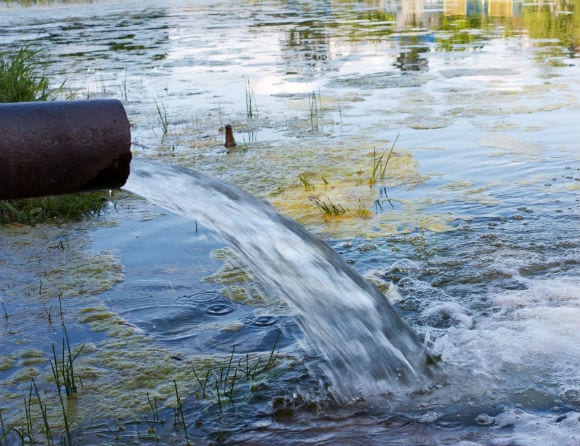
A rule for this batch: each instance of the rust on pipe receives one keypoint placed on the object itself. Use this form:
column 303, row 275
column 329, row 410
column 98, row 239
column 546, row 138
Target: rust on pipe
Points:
column 52, row 148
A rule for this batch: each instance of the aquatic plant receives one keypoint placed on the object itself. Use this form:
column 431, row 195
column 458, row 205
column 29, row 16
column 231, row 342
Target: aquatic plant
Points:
column 44, row 413
column 380, row 164
column 4, row 432
column 63, row 367
column 178, row 414
column 316, row 112
column 303, row 177
column 162, row 115
column 155, row 420
column 220, row 383
column 251, row 107
column 328, row 207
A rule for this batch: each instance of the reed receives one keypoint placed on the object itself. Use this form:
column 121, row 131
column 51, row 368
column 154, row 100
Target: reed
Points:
column 251, row 107
column 316, row 112
column 221, row 383
column 306, row 183
column 328, row 207
column 4, row 432
column 67, row 437
column 380, row 164
column 63, row 367
column 155, row 420
column 178, row 414
column 44, row 413
column 162, row 115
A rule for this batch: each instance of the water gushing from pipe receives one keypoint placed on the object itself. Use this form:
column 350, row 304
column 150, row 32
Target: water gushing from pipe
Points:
column 365, row 346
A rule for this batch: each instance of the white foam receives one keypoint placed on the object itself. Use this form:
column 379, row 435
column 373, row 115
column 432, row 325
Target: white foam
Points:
column 534, row 339
column 530, row 429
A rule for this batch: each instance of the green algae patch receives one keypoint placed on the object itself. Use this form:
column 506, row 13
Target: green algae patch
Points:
column 239, row 285
column 48, row 261
column 7, row 362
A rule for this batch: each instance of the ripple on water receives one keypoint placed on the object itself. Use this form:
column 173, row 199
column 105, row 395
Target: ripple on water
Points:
column 219, row 309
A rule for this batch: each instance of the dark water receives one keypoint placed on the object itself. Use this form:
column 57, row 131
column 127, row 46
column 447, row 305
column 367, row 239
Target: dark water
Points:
column 472, row 233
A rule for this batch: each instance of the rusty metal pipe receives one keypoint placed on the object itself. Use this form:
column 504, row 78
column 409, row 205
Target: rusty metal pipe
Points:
column 51, row 148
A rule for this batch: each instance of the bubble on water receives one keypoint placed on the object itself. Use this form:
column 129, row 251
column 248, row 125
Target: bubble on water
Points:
column 484, row 420
column 549, row 430
column 429, row 417
column 403, row 268
column 447, row 315
column 571, row 396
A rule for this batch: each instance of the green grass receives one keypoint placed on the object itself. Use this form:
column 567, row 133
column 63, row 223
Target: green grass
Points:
column 23, row 79
column 251, row 107
column 222, row 383
column 31, row 211
column 380, row 164
column 328, row 207
column 162, row 114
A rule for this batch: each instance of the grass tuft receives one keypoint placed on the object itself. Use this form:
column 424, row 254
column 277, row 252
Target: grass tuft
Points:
column 71, row 207
column 22, row 78
column 380, row 164
column 221, row 383
column 251, row 107
column 328, row 207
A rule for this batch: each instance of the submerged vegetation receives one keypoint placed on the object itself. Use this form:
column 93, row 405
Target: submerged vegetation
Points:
column 23, row 80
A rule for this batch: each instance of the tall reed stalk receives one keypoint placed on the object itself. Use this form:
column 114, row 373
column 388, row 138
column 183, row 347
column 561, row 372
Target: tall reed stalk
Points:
column 251, row 107
column 380, row 164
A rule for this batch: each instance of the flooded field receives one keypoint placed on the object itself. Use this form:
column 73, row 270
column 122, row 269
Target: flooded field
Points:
column 433, row 144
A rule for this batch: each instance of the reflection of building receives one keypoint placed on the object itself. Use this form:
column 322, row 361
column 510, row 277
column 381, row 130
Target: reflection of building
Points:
column 412, row 13
column 492, row 8
column 500, row 8
column 455, row 7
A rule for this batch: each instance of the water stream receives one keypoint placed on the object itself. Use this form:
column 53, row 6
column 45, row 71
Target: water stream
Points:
column 472, row 234
column 366, row 347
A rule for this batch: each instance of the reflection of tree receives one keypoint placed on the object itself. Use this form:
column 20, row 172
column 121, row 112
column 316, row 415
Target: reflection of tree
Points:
column 410, row 59
column 466, row 24
column 307, row 44
column 547, row 23
column 460, row 35
column 559, row 20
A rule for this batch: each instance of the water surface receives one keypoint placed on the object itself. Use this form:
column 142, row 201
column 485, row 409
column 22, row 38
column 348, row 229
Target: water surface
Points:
column 472, row 232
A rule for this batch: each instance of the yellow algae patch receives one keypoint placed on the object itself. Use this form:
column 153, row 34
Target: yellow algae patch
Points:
column 343, row 198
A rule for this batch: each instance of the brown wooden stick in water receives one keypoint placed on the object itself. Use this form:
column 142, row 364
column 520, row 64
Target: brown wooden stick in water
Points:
column 230, row 141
